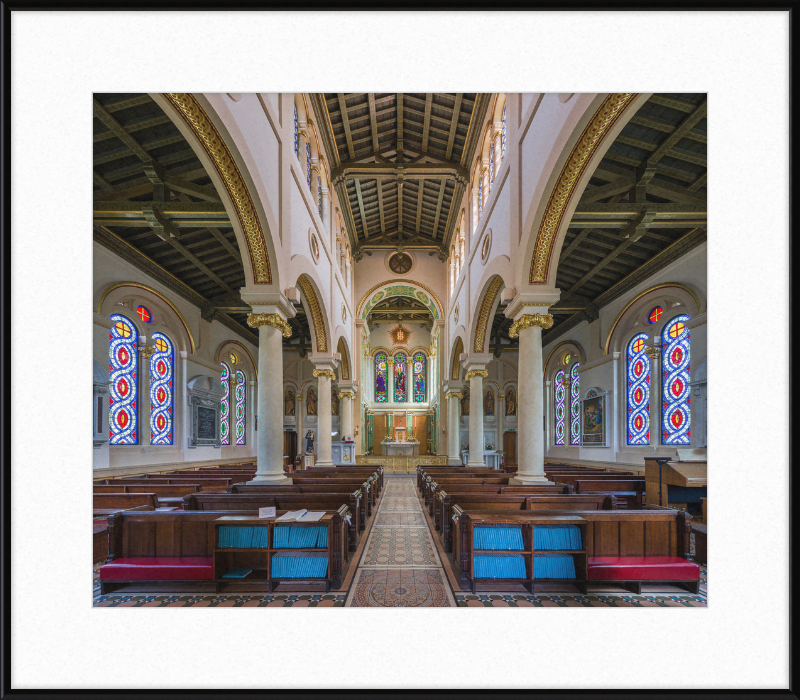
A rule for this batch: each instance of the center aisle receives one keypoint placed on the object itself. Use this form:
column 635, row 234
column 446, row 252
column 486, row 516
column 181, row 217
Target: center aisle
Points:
column 400, row 567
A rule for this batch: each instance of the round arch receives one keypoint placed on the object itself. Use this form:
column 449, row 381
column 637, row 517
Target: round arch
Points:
column 489, row 299
column 559, row 350
column 235, row 344
column 204, row 129
column 400, row 288
column 345, row 368
column 455, row 363
column 316, row 312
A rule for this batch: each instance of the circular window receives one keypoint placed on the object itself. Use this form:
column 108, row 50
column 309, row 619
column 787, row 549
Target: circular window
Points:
column 566, row 359
column 655, row 314
column 455, row 314
column 487, row 245
column 314, row 247
column 144, row 314
column 400, row 263
column 233, row 358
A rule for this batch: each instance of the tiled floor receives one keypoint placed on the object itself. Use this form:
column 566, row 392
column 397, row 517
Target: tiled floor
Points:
column 401, row 565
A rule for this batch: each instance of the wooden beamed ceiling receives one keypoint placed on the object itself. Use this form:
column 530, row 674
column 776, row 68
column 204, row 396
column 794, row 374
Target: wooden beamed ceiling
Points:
column 401, row 163
column 644, row 207
column 155, row 205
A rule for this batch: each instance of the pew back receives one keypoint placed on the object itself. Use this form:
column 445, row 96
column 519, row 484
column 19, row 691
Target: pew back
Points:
column 124, row 500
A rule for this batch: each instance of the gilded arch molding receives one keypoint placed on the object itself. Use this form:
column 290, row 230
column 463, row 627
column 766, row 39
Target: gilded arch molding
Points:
column 198, row 121
column 455, row 365
column 400, row 288
column 482, row 322
column 574, row 167
column 304, row 282
column 344, row 367
column 139, row 285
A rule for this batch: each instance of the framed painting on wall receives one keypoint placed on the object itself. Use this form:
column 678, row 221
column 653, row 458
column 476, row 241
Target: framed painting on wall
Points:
column 593, row 419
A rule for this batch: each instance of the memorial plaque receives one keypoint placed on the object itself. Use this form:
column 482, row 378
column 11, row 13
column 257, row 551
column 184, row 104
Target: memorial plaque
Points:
column 206, row 423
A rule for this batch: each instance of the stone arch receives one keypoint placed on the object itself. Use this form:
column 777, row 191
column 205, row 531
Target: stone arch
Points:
column 455, row 361
column 400, row 288
column 589, row 130
column 481, row 322
column 345, row 369
column 225, row 160
column 558, row 351
column 315, row 310
column 251, row 366
column 115, row 291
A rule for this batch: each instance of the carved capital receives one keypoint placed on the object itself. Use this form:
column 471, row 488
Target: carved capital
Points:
column 147, row 351
column 274, row 320
column 652, row 352
column 529, row 321
column 476, row 373
column 453, row 395
column 324, row 373
column 347, row 395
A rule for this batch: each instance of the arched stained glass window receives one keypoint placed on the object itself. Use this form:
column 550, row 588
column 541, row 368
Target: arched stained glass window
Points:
column 491, row 164
column 575, row 406
column 480, row 199
column 225, row 407
column 319, row 195
column 655, row 314
column 162, row 367
column 381, row 378
column 241, row 407
column 296, row 139
column 675, row 415
column 503, row 140
column 558, row 394
column 419, row 377
column 400, row 382
column 308, row 165
column 123, row 347
column 144, row 314
column 638, row 391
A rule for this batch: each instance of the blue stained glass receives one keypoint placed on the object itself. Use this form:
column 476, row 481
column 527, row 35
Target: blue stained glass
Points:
column 241, row 393
column 162, row 363
column 560, row 406
column 638, row 391
column 491, row 164
column 575, row 406
column 381, row 378
column 319, row 195
column 124, row 393
column 480, row 198
column 419, row 377
column 675, row 409
column 225, row 407
column 296, row 135
column 308, row 165
column 503, row 141
column 400, row 361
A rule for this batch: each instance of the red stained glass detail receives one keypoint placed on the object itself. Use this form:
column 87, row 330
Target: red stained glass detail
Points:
column 144, row 314
column 161, row 367
column 638, row 395
column 160, row 422
column 677, row 356
column 638, row 367
column 122, row 388
column 677, row 387
column 677, row 419
column 655, row 314
column 123, row 356
column 162, row 395
column 638, row 422
column 122, row 419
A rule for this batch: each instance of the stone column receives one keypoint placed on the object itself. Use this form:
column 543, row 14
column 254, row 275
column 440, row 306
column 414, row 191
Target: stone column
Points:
column 144, row 394
column 325, row 376
column 390, row 378
column 530, row 405
column 346, row 411
column 475, row 378
column 269, row 450
column 453, row 399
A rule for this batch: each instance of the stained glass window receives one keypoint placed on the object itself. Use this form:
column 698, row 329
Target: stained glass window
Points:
column 381, row 378
column 419, row 377
column 675, row 416
column 575, row 406
column 296, row 139
column 655, row 314
column 123, row 368
column 567, row 359
column 503, row 141
column 638, row 391
column 560, row 406
column 319, row 195
column 144, row 314
column 233, row 358
column 491, row 164
column 480, row 199
column 162, row 364
column 225, row 407
column 400, row 388
column 308, row 165
column 241, row 401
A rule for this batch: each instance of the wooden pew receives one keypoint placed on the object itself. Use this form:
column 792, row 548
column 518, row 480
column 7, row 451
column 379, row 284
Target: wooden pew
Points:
column 610, row 533
column 206, row 484
column 443, row 481
column 347, row 472
column 166, row 538
column 281, row 501
column 168, row 494
column 599, row 486
column 471, row 501
column 372, row 496
column 124, row 500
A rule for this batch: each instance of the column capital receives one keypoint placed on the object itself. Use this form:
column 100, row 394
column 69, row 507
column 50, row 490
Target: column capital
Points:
column 347, row 394
column 324, row 372
column 453, row 395
column 147, row 351
column 539, row 300
column 476, row 373
column 529, row 321
column 275, row 320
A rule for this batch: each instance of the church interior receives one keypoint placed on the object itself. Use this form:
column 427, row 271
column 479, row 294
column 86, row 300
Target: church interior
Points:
column 399, row 350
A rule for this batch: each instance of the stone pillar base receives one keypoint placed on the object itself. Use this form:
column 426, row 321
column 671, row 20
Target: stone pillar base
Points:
column 454, row 462
column 324, row 464
column 476, row 464
column 523, row 480
column 280, row 479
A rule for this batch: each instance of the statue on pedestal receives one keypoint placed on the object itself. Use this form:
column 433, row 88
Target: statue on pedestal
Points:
column 310, row 442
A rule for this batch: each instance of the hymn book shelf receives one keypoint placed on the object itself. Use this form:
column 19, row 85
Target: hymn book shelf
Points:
column 261, row 559
column 527, row 525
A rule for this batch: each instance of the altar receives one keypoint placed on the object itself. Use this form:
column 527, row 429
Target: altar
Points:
column 403, row 448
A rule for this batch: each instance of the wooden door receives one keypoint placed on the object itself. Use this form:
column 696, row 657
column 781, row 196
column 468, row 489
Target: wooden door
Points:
column 378, row 432
column 289, row 446
column 421, row 431
column 510, row 448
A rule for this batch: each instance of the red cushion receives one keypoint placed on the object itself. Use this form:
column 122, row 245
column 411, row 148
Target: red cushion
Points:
column 158, row 569
column 641, row 569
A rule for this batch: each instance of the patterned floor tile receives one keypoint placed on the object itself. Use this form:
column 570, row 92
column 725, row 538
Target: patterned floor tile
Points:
column 400, row 588
column 394, row 546
column 329, row 600
column 516, row 600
